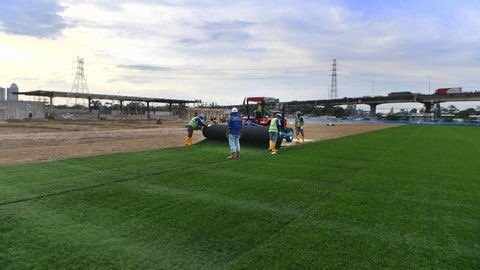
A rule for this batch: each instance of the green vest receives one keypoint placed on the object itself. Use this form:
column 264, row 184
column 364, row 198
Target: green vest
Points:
column 273, row 125
column 298, row 123
column 193, row 123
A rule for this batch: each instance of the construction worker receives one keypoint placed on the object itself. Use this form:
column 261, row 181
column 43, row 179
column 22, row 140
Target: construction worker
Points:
column 196, row 123
column 299, row 124
column 234, row 129
column 261, row 110
column 273, row 131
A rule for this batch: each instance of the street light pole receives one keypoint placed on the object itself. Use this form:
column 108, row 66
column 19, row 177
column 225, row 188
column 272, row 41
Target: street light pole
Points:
column 429, row 78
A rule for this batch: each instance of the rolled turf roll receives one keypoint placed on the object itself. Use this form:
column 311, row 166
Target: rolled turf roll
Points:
column 253, row 134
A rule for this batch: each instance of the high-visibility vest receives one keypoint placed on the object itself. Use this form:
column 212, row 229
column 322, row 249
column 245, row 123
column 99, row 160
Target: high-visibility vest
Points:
column 193, row 123
column 298, row 123
column 273, row 125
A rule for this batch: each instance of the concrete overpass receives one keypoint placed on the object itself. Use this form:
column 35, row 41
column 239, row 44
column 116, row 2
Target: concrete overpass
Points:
column 428, row 100
column 90, row 97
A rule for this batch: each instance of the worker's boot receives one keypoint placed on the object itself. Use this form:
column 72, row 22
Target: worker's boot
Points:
column 189, row 141
column 274, row 150
column 297, row 140
column 237, row 155
column 303, row 138
column 269, row 145
column 232, row 155
column 186, row 140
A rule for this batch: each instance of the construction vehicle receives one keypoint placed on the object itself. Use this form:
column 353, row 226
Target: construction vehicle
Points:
column 256, row 122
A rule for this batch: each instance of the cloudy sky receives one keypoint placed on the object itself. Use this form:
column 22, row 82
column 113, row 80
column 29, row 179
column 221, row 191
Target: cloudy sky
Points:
column 220, row 51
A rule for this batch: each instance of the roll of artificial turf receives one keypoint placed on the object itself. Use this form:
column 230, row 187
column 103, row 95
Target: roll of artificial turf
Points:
column 251, row 134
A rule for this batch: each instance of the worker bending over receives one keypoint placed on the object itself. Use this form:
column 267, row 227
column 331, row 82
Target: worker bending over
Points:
column 273, row 131
column 234, row 129
column 299, row 124
column 196, row 123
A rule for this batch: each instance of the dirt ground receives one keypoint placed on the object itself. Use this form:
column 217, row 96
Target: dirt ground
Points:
column 24, row 141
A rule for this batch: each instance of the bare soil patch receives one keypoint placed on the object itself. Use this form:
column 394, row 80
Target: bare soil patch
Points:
column 23, row 141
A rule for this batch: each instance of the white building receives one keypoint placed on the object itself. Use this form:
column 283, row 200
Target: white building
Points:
column 13, row 109
column 12, row 89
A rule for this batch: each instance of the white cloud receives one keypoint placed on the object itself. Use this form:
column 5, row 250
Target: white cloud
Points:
column 223, row 50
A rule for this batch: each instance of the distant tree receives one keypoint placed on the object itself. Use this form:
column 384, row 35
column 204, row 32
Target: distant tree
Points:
column 452, row 109
column 465, row 114
column 95, row 104
column 136, row 107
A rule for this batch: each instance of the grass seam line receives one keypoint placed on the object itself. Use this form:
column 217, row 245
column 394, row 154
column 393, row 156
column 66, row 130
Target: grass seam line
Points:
column 101, row 185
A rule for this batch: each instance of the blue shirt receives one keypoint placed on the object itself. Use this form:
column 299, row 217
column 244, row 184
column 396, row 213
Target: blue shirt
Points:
column 234, row 124
column 200, row 122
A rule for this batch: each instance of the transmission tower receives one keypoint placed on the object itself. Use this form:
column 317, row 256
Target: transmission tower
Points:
column 333, row 94
column 80, row 84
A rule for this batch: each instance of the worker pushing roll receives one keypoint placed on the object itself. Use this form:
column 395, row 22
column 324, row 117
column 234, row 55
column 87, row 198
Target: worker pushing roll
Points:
column 196, row 123
column 273, row 131
column 299, row 124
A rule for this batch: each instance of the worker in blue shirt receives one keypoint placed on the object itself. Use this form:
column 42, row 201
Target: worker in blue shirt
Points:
column 196, row 123
column 234, row 130
column 273, row 131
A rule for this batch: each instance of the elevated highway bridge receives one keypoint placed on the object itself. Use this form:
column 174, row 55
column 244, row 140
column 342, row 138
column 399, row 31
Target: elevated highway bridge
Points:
column 428, row 100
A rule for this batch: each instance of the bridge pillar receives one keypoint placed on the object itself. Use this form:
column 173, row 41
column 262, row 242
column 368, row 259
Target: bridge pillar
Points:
column 148, row 110
column 438, row 112
column 428, row 107
column 51, row 104
column 373, row 109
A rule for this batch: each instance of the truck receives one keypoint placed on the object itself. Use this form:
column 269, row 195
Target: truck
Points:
column 451, row 90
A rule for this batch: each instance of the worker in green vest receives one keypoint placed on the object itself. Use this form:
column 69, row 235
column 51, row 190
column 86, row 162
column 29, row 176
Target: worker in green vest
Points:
column 299, row 124
column 273, row 131
column 261, row 110
column 196, row 123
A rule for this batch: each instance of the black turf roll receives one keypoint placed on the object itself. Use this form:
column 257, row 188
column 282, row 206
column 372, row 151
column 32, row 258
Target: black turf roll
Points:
column 255, row 134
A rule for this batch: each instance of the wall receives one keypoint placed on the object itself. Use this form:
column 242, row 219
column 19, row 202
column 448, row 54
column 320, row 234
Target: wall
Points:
column 17, row 110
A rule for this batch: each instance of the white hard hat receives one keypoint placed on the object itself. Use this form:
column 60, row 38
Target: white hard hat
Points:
column 234, row 110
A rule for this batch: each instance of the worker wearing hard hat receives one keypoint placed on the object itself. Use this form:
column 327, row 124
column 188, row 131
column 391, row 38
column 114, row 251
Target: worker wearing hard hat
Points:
column 273, row 131
column 196, row 123
column 234, row 129
column 299, row 124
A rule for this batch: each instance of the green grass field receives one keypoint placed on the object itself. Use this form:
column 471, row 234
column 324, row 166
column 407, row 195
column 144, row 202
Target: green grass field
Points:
column 405, row 197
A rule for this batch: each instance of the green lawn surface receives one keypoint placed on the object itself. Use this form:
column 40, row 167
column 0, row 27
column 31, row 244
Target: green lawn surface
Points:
column 400, row 198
